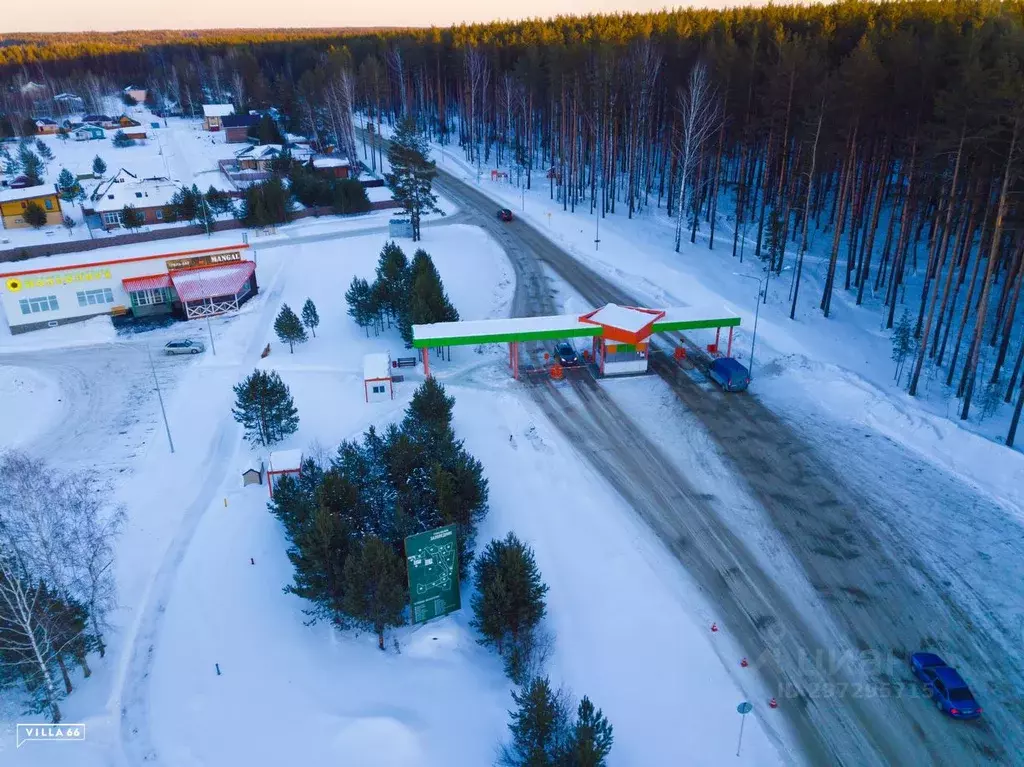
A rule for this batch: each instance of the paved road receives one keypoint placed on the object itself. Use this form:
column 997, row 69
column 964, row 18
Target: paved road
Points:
column 837, row 664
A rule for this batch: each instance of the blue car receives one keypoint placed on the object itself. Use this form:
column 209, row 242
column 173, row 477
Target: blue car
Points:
column 566, row 354
column 729, row 374
column 945, row 686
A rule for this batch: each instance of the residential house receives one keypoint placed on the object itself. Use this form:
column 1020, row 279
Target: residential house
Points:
column 32, row 90
column 124, row 121
column 136, row 134
column 139, row 94
column 236, row 127
column 148, row 195
column 214, row 114
column 261, row 158
column 69, row 103
column 14, row 202
column 88, row 133
column 45, row 125
column 102, row 121
column 335, row 166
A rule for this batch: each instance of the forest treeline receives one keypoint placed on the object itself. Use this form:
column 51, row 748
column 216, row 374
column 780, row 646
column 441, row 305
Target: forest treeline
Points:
column 886, row 136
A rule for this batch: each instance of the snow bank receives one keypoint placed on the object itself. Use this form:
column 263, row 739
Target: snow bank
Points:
column 23, row 391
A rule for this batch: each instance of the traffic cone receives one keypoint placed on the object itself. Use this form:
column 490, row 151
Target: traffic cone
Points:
column 773, row 703
column 714, row 627
column 744, row 663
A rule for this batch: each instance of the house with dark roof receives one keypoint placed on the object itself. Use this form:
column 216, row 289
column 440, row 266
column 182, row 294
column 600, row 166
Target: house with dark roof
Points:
column 103, row 121
column 46, row 125
column 236, row 127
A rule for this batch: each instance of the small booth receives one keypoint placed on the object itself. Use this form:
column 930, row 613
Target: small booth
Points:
column 378, row 384
column 252, row 473
column 624, row 342
column 283, row 462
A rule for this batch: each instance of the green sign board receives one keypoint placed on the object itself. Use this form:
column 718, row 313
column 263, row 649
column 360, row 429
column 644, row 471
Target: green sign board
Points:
column 433, row 561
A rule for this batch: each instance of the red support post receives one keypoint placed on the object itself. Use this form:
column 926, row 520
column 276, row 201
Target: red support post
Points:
column 718, row 332
column 728, row 349
column 426, row 363
column 515, row 360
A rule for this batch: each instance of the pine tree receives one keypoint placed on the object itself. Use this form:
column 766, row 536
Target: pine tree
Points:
column 121, row 140
column 428, row 417
column 34, row 214
column 903, row 342
column 218, row 202
column 411, row 174
column 320, row 551
column 44, row 150
column 392, row 283
column 375, row 587
column 264, row 406
column 539, row 727
column 31, row 166
column 510, row 593
column 310, row 318
column 289, row 328
column 98, row 166
column 131, row 217
column 359, row 300
column 266, row 203
column 590, row 740
column 68, row 187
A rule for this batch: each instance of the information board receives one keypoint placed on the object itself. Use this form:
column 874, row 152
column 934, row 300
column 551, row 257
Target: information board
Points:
column 433, row 563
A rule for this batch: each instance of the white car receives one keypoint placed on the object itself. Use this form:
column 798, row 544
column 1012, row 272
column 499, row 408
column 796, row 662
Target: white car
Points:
column 184, row 347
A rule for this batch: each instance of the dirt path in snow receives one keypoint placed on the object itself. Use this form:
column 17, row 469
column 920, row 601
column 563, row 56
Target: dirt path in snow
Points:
column 838, row 665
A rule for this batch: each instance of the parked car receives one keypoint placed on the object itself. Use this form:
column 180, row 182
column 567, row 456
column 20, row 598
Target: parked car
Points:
column 505, row 214
column 566, row 354
column 945, row 686
column 185, row 347
column 729, row 374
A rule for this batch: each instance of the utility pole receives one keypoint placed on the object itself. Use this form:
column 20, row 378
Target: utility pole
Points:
column 159, row 397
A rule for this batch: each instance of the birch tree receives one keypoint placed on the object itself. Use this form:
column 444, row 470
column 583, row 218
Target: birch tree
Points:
column 700, row 114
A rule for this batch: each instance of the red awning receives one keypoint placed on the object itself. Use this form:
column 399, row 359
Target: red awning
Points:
column 213, row 281
column 150, row 282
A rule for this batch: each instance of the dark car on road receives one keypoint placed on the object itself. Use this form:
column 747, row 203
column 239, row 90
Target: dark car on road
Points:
column 945, row 686
column 729, row 374
column 505, row 214
column 566, row 354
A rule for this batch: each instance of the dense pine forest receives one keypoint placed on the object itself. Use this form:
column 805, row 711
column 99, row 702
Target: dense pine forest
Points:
column 887, row 134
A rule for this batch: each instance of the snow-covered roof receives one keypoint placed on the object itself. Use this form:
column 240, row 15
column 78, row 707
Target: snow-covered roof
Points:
column 142, row 193
column 218, row 110
column 331, row 162
column 622, row 318
column 45, row 121
column 67, row 97
column 376, row 366
column 285, row 460
column 212, row 281
column 253, row 464
column 270, row 151
column 561, row 326
column 26, row 193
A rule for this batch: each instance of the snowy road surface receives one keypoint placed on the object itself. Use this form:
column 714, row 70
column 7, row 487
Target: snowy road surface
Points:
column 845, row 512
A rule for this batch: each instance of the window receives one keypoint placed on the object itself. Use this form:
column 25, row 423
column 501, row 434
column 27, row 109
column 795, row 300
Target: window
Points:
column 49, row 204
column 24, row 205
column 92, row 297
column 378, row 389
column 139, row 195
column 38, row 304
column 112, row 219
column 244, row 290
column 159, row 214
column 149, row 297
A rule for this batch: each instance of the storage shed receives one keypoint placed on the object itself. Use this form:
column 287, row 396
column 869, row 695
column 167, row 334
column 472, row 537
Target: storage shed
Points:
column 252, row 473
column 283, row 462
column 377, row 381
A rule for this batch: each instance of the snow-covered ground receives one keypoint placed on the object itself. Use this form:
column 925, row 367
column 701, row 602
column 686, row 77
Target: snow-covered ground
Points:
column 627, row 632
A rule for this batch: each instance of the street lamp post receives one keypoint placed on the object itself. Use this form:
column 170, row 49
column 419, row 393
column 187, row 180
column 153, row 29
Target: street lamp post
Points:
column 757, row 311
column 159, row 397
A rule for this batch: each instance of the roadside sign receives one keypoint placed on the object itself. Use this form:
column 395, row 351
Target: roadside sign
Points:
column 432, row 559
column 743, row 708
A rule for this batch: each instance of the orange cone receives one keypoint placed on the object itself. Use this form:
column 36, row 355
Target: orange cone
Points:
column 744, row 663
column 773, row 703
column 714, row 627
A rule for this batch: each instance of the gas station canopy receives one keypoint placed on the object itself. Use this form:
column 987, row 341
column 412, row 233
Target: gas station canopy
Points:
column 626, row 324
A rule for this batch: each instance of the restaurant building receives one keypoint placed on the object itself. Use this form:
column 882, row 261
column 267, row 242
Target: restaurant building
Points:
column 188, row 285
